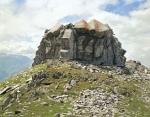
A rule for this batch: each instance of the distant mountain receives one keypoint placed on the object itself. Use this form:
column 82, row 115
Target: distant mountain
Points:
column 11, row 64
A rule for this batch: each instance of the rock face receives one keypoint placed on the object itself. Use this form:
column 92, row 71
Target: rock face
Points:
column 91, row 42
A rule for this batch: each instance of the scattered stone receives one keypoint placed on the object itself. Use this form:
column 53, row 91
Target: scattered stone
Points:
column 73, row 82
column 126, row 71
column 90, row 70
column 29, row 80
column 5, row 90
column 57, row 75
column 65, row 91
column 56, row 87
column 59, row 98
column 44, row 104
column 119, row 70
column 95, row 103
column 67, row 87
column 110, row 75
column 9, row 113
column 57, row 115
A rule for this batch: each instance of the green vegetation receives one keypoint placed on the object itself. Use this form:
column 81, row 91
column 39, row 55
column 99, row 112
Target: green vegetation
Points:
column 131, row 103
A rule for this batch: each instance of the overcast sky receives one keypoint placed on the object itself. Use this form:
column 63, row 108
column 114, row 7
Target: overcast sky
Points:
column 22, row 22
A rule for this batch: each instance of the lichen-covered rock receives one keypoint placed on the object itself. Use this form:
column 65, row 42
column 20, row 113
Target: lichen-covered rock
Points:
column 90, row 42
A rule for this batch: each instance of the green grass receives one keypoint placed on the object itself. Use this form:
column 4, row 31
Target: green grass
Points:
column 35, row 108
column 134, row 107
column 131, row 90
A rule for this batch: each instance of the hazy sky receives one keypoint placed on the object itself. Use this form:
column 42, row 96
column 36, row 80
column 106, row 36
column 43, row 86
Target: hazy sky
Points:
column 22, row 22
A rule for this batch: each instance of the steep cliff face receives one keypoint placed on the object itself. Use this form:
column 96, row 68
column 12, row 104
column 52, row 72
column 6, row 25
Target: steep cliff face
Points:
column 91, row 42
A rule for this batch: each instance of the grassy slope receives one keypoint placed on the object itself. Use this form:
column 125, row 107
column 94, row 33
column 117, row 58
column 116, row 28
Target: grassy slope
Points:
column 131, row 89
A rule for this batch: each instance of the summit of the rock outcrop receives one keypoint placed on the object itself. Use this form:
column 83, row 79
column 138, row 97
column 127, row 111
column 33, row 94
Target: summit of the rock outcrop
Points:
column 90, row 42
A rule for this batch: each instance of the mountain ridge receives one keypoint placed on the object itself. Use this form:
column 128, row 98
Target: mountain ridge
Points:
column 11, row 64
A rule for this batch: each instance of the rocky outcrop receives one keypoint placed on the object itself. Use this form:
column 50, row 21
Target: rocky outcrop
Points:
column 91, row 42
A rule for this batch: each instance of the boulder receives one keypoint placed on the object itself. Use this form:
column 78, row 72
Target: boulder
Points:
column 3, row 91
column 56, row 75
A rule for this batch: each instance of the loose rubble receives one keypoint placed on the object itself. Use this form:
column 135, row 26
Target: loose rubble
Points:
column 95, row 103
